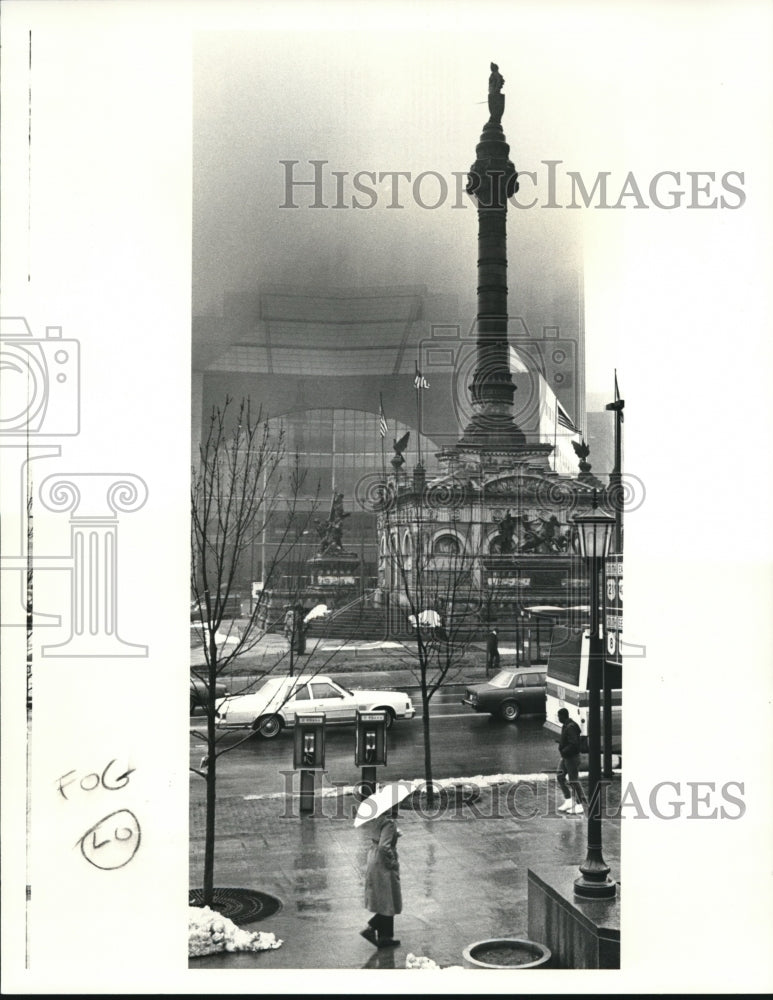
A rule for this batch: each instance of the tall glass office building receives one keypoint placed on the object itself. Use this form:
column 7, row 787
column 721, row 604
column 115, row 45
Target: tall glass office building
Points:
column 320, row 362
column 320, row 365
column 342, row 451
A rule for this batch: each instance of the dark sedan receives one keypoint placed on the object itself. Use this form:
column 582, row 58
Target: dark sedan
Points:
column 509, row 694
column 199, row 692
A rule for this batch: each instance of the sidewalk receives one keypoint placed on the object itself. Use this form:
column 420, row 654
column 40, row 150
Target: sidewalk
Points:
column 463, row 872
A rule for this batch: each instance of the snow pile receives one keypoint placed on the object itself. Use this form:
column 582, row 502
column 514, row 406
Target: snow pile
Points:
column 422, row 962
column 210, row 932
column 419, row 962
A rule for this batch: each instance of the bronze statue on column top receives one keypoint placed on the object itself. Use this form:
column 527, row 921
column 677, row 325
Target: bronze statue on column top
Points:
column 496, row 99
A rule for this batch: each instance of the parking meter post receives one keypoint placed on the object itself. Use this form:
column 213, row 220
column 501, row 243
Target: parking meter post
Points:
column 368, row 782
column 307, row 791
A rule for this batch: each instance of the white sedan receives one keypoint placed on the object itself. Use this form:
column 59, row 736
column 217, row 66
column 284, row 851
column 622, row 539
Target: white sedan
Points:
column 275, row 704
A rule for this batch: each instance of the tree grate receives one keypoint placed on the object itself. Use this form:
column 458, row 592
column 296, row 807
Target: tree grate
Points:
column 243, row 906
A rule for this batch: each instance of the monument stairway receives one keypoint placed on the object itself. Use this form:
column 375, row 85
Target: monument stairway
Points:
column 357, row 620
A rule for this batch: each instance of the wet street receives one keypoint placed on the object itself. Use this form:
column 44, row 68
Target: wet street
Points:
column 463, row 743
column 463, row 866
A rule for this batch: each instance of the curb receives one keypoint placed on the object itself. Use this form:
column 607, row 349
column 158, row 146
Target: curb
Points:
column 479, row 781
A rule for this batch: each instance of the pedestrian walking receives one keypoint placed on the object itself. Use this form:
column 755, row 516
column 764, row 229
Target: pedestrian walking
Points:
column 569, row 748
column 492, row 652
column 383, row 894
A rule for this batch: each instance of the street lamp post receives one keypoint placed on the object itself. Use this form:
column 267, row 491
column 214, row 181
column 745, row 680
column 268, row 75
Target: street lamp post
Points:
column 594, row 532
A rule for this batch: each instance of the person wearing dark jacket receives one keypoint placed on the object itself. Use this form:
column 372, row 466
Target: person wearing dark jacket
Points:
column 569, row 748
column 492, row 653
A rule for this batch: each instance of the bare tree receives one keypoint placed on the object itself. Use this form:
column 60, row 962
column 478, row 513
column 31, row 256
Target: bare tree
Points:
column 242, row 484
column 236, row 490
column 435, row 581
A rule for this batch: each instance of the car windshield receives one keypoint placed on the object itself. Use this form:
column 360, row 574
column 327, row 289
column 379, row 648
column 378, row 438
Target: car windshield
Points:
column 503, row 679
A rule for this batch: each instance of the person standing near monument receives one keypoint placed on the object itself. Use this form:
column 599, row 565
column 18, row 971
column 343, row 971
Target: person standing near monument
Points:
column 492, row 652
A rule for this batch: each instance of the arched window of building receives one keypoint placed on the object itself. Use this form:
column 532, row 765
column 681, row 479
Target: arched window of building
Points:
column 446, row 545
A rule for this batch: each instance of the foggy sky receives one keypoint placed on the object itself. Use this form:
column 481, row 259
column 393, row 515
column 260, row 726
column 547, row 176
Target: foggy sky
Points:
column 406, row 97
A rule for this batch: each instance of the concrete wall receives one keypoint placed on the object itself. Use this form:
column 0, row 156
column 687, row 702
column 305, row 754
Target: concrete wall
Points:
column 581, row 933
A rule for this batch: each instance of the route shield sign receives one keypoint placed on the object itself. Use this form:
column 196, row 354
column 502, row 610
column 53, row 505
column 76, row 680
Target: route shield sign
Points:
column 613, row 609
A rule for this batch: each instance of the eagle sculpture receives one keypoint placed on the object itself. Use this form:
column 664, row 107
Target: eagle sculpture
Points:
column 399, row 447
column 581, row 450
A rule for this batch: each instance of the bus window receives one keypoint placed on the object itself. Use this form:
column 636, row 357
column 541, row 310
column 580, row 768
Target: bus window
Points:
column 565, row 648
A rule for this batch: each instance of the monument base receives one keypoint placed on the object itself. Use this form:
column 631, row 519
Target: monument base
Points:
column 334, row 579
column 581, row 933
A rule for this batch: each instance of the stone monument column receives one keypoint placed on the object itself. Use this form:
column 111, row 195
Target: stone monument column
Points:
column 491, row 181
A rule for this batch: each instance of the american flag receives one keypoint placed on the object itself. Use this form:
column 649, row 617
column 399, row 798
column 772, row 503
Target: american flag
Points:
column 419, row 381
column 563, row 418
column 382, row 423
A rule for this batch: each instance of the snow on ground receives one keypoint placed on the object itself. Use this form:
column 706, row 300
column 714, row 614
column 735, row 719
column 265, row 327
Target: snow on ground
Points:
column 332, row 645
column 478, row 780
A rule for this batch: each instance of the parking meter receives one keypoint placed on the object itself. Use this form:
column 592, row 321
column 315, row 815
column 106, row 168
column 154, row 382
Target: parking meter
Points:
column 309, row 745
column 370, row 747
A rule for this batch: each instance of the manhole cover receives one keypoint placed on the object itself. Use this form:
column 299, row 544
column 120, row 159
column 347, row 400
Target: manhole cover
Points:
column 243, row 906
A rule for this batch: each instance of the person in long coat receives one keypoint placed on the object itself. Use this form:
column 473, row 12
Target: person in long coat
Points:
column 492, row 653
column 383, row 895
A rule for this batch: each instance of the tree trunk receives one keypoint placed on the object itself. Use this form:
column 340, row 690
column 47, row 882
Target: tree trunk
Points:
column 209, row 828
column 427, row 746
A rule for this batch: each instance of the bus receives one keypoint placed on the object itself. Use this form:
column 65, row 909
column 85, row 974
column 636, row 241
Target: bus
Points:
column 567, row 684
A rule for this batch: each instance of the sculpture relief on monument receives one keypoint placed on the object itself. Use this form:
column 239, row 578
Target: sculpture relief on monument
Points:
column 331, row 531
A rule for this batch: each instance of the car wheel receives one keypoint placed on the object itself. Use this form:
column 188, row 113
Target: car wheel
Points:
column 510, row 711
column 269, row 726
column 390, row 716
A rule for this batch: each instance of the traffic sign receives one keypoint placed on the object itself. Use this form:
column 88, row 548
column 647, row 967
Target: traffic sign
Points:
column 613, row 609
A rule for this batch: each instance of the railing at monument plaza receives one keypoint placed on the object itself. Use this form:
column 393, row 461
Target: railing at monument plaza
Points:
column 364, row 599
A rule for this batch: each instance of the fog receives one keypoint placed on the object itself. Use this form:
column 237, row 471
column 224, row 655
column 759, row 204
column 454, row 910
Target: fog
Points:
column 404, row 89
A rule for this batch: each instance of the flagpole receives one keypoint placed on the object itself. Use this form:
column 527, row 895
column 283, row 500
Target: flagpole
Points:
column 382, row 428
column 417, row 383
column 615, row 479
column 333, row 463
column 618, row 470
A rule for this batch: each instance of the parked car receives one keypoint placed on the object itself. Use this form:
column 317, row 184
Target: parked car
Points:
column 272, row 708
column 199, row 692
column 510, row 693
